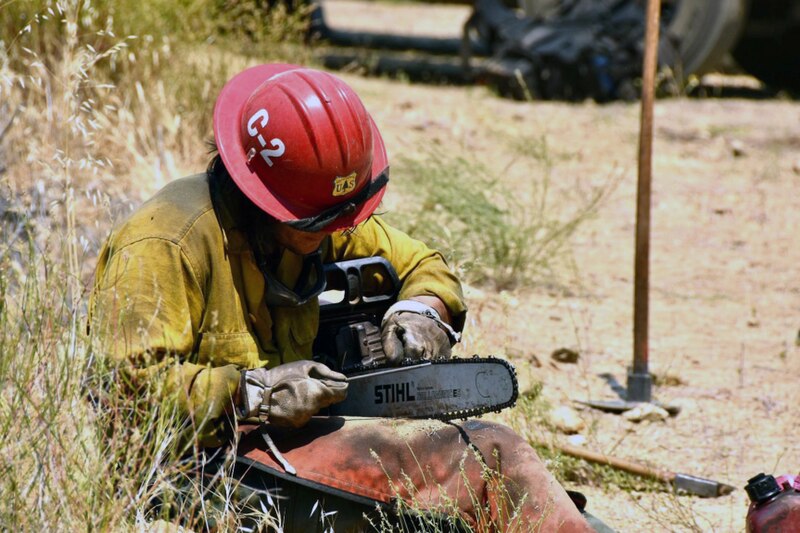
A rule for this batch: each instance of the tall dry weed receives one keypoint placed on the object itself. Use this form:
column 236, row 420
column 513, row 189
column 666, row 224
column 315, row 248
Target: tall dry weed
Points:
column 102, row 102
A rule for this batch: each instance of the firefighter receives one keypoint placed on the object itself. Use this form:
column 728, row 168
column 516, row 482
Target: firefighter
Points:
column 211, row 290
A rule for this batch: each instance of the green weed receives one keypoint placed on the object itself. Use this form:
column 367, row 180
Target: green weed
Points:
column 494, row 236
column 530, row 418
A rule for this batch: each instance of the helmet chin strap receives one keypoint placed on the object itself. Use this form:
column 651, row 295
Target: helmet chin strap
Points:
column 310, row 284
column 258, row 227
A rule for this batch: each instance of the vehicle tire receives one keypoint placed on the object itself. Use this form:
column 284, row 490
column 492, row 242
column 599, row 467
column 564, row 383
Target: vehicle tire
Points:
column 769, row 48
column 705, row 29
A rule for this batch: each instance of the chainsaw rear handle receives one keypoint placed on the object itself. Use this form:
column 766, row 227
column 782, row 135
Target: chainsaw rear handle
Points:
column 366, row 283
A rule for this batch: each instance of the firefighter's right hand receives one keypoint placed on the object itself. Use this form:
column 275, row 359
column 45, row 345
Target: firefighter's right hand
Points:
column 289, row 395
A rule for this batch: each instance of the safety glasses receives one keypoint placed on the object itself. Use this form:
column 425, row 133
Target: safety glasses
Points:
column 322, row 220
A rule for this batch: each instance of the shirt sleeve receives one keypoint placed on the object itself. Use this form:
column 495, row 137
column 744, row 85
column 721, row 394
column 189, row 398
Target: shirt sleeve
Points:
column 145, row 312
column 422, row 270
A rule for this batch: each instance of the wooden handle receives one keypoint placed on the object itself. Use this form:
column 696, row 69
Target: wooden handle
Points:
column 614, row 462
column 642, row 261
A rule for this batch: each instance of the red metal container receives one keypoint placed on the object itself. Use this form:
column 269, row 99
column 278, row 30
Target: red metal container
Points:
column 774, row 505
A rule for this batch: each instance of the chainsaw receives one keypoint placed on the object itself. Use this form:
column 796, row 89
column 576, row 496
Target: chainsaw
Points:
column 358, row 293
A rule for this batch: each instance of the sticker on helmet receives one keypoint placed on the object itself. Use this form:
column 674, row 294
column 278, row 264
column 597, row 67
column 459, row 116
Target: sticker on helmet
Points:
column 278, row 148
column 344, row 184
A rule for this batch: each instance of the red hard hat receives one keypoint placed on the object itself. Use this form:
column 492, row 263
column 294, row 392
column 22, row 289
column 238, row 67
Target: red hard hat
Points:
column 301, row 146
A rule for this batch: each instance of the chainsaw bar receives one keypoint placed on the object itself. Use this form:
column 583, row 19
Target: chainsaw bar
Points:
column 444, row 389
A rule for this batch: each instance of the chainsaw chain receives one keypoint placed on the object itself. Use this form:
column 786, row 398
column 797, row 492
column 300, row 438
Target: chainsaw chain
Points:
column 461, row 414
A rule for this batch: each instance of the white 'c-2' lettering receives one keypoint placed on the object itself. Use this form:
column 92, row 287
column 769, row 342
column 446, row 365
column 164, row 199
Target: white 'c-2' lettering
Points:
column 278, row 148
column 260, row 114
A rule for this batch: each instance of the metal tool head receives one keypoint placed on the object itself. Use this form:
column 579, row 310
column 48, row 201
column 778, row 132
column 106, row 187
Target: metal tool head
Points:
column 638, row 388
column 698, row 486
column 620, row 406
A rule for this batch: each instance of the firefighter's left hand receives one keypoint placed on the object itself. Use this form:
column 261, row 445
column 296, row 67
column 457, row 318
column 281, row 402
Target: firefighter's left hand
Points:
column 411, row 330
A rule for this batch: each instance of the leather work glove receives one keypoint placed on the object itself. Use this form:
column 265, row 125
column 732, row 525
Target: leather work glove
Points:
column 289, row 395
column 413, row 330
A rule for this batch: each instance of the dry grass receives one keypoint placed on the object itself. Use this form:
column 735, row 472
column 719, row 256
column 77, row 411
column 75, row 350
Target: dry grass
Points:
column 107, row 101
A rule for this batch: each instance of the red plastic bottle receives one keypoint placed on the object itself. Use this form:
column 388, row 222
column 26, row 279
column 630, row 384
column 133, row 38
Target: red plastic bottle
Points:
column 773, row 508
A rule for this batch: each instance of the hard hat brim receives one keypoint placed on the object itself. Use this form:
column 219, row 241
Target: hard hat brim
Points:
column 228, row 136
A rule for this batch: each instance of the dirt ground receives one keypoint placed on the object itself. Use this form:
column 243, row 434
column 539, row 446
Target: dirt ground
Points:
column 725, row 290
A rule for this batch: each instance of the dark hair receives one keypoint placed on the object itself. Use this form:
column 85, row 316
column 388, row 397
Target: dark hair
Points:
column 248, row 214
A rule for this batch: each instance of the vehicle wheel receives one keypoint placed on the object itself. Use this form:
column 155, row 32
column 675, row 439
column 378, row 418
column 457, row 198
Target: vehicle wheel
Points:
column 769, row 45
column 705, row 29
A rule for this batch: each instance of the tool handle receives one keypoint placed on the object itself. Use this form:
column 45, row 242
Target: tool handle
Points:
column 644, row 185
column 615, row 462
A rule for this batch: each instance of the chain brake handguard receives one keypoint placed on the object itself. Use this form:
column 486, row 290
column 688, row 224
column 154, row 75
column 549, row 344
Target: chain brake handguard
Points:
column 349, row 333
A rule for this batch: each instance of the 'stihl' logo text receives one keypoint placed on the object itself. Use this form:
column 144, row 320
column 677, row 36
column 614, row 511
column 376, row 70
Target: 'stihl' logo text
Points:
column 394, row 393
